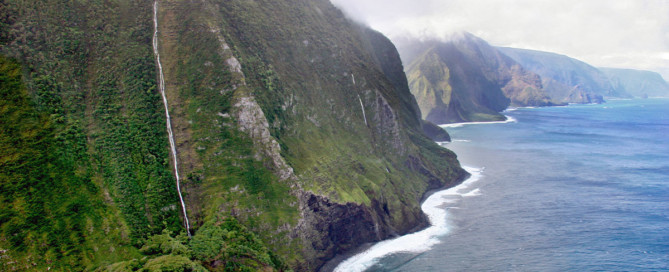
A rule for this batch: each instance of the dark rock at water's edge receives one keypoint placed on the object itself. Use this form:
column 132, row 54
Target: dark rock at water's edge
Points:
column 348, row 226
column 423, row 223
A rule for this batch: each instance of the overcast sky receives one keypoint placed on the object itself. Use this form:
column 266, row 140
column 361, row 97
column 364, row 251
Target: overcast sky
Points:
column 609, row 33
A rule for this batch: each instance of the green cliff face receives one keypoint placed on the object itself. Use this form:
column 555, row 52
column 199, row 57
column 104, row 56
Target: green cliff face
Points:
column 565, row 79
column 290, row 121
column 637, row 83
column 104, row 183
column 465, row 79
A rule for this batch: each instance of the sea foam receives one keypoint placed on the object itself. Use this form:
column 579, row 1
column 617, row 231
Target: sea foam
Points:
column 509, row 119
column 421, row 241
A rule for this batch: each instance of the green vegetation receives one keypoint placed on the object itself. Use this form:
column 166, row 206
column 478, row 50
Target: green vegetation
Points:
column 227, row 174
column 219, row 245
column 98, row 183
column 225, row 245
column 90, row 180
column 85, row 169
column 98, row 86
column 50, row 206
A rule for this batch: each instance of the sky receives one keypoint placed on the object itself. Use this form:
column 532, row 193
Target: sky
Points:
column 620, row 33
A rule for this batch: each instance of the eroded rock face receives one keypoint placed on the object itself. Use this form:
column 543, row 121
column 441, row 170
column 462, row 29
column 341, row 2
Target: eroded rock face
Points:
column 387, row 122
column 250, row 117
column 251, row 120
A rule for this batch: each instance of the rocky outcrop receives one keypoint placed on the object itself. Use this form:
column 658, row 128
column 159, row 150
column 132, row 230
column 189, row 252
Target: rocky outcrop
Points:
column 251, row 119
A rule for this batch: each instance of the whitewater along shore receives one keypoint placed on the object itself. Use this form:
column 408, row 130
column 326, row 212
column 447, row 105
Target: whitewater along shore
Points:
column 418, row 241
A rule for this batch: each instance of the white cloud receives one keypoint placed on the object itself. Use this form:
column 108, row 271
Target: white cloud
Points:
column 621, row 33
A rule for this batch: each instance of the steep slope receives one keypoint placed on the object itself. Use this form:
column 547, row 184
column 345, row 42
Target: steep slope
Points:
column 447, row 96
column 564, row 79
column 309, row 94
column 466, row 79
column 637, row 83
column 288, row 118
column 49, row 204
column 388, row 58
column 91, row 74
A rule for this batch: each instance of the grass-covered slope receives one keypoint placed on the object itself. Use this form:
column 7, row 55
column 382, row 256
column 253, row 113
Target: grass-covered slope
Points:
column 637, row 83
column 288, row 119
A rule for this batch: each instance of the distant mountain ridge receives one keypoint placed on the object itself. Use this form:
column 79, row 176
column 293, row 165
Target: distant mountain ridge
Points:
column 466, row 79
column 637, row 83
column 565, row 79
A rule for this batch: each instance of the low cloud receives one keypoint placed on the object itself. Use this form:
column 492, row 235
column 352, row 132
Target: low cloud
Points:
column 634, row 32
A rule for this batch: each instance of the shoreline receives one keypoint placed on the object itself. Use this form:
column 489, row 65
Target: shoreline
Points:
column 333, row 263
column 340, row 259
column 509, row 119
column 431, row 192
column 419, row 241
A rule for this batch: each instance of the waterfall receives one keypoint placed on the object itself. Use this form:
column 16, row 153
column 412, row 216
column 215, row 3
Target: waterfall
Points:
column 161, row 87
column 363, row 110
column 359, row 99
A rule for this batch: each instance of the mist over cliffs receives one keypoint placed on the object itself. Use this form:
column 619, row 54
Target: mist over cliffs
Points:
column 466, row 79
column 463, row 78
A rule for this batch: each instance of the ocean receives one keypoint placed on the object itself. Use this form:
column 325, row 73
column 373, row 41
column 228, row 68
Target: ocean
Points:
column 575, row 188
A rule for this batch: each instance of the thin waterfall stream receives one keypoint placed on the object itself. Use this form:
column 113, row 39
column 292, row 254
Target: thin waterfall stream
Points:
column 362, row 106
column 161, row 87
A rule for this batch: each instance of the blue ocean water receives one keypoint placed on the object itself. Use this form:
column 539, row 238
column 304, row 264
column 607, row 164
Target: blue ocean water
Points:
column 576, row 188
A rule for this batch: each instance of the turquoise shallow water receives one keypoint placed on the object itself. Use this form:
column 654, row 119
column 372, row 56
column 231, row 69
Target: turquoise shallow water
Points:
column 577, row 188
